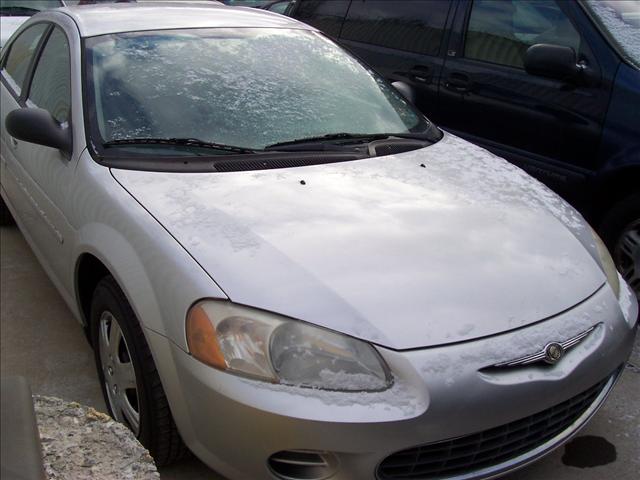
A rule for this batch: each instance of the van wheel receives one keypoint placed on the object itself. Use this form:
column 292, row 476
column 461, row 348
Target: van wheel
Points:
column 130, row 383
column 621, row 232
column 5, row 215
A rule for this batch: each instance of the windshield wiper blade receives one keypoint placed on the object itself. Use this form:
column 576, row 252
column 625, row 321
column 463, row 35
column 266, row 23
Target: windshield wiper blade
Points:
column 187, row 142
column 364, row 137
column 325, row 138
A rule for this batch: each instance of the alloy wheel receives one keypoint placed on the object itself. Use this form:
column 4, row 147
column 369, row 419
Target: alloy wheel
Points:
column 119, row 373
column 627, row 255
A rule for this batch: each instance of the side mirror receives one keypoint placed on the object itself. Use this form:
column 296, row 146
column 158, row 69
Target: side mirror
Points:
column 35, row 125
column 552, row 61
column 405, row 90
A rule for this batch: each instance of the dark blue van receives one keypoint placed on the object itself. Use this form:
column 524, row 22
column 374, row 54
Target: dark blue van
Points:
column 553, row 86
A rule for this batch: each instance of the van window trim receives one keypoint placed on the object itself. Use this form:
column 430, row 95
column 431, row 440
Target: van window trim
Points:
column 561, row 5
column 444, row 40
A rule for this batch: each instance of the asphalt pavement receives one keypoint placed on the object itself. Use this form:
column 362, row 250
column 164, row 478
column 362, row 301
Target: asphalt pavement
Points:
column 40, row 340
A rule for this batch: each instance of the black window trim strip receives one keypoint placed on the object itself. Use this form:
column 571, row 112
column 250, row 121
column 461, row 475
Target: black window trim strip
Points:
column 344, row 19
column 39, row 55
column 26, row 87
column 20, row 98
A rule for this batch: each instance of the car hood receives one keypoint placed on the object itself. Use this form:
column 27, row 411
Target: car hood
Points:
column 438, row 245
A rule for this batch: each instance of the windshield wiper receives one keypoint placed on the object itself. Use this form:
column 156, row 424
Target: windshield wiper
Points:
column 348, row 137
column 186, row 142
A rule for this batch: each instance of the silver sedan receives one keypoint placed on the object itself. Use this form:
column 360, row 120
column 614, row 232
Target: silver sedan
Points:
column 283, row 266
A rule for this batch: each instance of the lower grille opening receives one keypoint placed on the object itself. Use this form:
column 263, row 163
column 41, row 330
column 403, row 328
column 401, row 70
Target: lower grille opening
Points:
column 488, row 448
column 303, row 464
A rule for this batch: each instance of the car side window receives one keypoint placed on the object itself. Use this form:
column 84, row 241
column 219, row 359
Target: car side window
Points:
column 501, row 31
column 20, row 54
column 408, row 25
column 51, row 84
column 326, row 15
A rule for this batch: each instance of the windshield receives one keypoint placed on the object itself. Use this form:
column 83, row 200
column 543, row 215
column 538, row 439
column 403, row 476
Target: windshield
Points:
column 26, row 8
column 249, row 87
column 620, row 21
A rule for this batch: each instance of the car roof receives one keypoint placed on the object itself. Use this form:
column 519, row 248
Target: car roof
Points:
column 101, row 19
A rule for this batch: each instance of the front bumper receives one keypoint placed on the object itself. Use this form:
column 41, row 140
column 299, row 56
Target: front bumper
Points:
column 235, row 424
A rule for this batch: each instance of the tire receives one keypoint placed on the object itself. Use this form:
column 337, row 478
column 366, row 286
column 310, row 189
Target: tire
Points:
column 620, row 230
column 5, row 215
column 122, row 355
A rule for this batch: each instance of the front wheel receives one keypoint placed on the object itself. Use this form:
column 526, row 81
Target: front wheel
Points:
column 626, row 254
column 130, row 383
column 621, row 233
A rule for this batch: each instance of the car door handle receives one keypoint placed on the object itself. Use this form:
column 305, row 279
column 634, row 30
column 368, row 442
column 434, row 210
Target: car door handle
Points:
column 420, row 73
column 14, row 142
column 458, row 82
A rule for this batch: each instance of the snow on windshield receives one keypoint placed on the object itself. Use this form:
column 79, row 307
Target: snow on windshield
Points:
column 621, row 20
column 243, row 87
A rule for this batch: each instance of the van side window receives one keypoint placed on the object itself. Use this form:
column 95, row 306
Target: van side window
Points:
column 20, row 55
column 408, row 25
column 501, row 31
column 51, row 84
column 326, row 15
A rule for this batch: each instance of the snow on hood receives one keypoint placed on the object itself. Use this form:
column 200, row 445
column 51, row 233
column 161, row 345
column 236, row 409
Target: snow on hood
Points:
column 438, row 245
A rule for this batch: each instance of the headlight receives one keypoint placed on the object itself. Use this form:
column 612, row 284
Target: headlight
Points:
column 607, row 265
column 265, row 346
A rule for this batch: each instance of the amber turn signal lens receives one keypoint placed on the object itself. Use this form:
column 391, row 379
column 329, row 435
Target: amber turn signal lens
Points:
column 202, row 339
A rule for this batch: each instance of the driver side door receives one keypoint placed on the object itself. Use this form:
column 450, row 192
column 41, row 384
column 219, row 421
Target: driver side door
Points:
column 39, row 177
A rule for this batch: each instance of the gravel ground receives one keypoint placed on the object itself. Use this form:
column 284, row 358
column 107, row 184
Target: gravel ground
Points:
column 81, row 443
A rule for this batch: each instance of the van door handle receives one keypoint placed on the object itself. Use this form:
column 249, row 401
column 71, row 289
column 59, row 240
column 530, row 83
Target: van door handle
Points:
column 420, row 73
column 458, row 82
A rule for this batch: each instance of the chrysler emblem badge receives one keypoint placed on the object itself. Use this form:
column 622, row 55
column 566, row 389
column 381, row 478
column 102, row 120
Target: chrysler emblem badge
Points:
column 553, row 352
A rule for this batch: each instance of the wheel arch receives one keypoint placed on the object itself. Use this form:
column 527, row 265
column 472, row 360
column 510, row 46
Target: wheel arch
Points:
column 88, row 273
column 104, row 251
